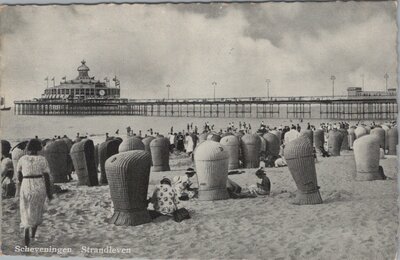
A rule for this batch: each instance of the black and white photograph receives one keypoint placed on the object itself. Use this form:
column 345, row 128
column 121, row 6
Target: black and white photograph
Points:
column 251, row 130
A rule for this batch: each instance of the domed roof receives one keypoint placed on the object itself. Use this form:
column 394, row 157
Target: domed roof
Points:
column 83, row 67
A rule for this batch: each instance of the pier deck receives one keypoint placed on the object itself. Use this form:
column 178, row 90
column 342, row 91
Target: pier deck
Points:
column 322, row 107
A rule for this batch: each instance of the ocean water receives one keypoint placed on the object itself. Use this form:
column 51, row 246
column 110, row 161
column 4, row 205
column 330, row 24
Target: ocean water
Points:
column 21, row 127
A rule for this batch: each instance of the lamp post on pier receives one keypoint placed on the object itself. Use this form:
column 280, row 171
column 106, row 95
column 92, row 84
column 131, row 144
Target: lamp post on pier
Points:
column 214, row 85
column 333, row 85
column 268, row 81
column 363, row 85
column 168, row 86
column 386, row 76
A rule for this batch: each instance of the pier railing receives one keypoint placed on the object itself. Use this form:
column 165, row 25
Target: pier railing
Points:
column 338, row 107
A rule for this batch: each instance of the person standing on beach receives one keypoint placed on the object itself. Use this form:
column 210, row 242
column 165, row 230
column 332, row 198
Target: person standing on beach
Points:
column 180, row 139
column 33, row 175
column 7, row 171
column 291, row 135
column 189, row 144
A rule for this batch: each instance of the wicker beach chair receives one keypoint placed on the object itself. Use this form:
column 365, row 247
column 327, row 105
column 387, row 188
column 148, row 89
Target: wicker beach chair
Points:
column 213, row 136
column 366, row 155
column 380, row 133
column 57, row 153
column 309, row 134
column 83, row 157
column 106, row 150
column 273, row 144
column 231, row 145
column 393, row 140
column 159, row 148
column 300, row 161
column 212, row 170
column 146, row 141
column 360, row 131
column 128, row 177
column 335, row 140
column 131, row 144
column 250, row 146
column 319, row 141
column 345, row 142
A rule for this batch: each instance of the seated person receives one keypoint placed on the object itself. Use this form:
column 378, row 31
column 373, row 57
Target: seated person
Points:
column 8, row 187
column 182, row 185
column 262, row 188
column 280, row 162
column 165, row 200
column 270, row 160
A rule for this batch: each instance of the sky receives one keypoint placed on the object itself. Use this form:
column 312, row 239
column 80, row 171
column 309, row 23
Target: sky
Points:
column 297, row 46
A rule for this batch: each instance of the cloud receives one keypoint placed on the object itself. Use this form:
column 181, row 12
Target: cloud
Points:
column 297, row 45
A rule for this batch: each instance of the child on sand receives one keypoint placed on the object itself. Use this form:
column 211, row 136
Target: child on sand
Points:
column 262, row 188
column 182, row 185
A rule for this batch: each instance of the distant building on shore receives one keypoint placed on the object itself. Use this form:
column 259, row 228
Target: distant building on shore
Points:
column 359, row 92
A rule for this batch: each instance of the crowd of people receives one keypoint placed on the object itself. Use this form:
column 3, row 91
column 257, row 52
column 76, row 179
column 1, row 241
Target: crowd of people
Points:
column 33, row 171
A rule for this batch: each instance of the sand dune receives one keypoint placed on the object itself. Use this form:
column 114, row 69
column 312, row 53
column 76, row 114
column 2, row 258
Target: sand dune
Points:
column 358, row 220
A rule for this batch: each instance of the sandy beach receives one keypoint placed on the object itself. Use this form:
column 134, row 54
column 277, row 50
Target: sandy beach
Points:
column 358, row 220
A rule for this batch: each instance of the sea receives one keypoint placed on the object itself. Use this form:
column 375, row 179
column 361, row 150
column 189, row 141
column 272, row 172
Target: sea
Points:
column 16, row 128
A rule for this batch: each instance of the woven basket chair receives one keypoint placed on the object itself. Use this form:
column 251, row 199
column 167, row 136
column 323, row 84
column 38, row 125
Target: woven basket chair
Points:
column 250, row 146
column 386, row 128
column 273, row 144
column 96, row 156
column 309, row 134
column 211, row 162
column 159, row 148
column 345, row 141
column 360, row 131
column 214, row 137
column 202, row 137
column 380, row 133
column 57, row 155
column 319, row 140
column 335, row 140
column 277, row 133
column 128, row 177
column 146, row 141
column 5, row 147
column 366, row 155
column 231, row 145
column 131, row 144
column 106, row 150
column 300, row 160
column 83, row 157
column 393, row 140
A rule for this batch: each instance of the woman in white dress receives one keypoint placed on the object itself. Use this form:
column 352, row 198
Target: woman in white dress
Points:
column 189, row 144
column 33, row 174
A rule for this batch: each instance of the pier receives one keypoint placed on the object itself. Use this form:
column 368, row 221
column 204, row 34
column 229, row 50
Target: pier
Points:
column 340, row 107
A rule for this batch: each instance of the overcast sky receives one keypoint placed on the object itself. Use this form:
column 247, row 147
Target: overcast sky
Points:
column 298, row 46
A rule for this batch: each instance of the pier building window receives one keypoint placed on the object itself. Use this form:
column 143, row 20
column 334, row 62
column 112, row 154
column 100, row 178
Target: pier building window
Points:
column 82, row 91
column 67, row 91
